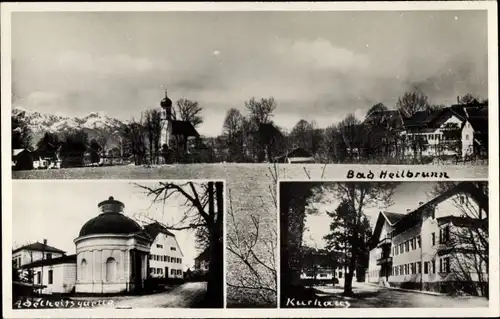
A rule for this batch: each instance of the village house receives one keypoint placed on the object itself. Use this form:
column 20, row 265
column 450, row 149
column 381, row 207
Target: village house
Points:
column 202, row 262
column 455, row 130
column 421, row 249
column 114, row 254
column 22, row 159
column 165, row 256
column 322, row 267
column 297, row 155
column 28, row 254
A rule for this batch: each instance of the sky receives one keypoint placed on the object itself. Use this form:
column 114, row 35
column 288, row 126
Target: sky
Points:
column 56, row 211
column 317, row 65
column 407, row 195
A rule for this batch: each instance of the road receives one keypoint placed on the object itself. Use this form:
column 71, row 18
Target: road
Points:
column 368, row 296
column 183, row 296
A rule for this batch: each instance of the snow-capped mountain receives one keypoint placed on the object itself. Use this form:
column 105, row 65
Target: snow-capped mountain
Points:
column 94, row 123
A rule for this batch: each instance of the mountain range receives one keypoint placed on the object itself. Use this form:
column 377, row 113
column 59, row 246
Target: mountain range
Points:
column 95, row 123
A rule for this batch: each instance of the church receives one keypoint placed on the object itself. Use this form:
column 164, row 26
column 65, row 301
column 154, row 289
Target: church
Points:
column 176, row 135
column 114, row 254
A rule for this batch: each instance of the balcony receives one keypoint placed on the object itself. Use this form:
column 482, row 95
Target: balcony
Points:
column 384, row 242
column 384, row 260
column 443, row 248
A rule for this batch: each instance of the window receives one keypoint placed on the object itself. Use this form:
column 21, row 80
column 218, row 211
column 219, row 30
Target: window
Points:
column 180, row 272
column 466, row 137
column 168, row 258
column 49, row 256
column 83, row 272
column 407, row 246
column 412, row 244
column 150, row 257
column 426, row 267
column 340, row 274
column 433, row 264
column 433, row 239
column 51, row 276
column 419, row 241
column 39, row 277
column 413, row 268
column 444, row 234
column 173, row 248
column 444, row 264
column 172, row 271
column 159, row 246
column 110, row 269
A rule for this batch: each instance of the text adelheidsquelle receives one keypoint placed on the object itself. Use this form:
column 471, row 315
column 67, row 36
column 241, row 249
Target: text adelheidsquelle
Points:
column 407, row 173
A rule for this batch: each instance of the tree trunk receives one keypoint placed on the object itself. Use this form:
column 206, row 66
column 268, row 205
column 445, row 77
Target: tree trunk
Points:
column 215, row 287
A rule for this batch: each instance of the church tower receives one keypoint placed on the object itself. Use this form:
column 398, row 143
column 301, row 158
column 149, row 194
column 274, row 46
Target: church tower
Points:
column 167, row 116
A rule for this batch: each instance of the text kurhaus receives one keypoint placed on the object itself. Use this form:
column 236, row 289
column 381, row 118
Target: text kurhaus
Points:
column 292, row 302
column 385, row 174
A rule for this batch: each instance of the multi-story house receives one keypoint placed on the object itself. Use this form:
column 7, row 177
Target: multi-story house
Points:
column 321, row 266
column 28, row 254
column 202, row 262
column 165, row 256
column 438, row 246
column 454, row 130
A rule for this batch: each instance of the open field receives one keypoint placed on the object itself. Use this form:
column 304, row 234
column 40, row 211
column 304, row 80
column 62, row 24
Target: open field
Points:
column 250, row 187
column 232, row 171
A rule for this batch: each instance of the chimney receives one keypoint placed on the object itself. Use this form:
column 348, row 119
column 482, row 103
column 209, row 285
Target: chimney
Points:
column 458, row 99
column 420, row 203
column 408, row 209
column 45, row 242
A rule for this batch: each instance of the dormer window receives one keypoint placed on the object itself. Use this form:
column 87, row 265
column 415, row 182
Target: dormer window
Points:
column 159, row 246
column 173, row 248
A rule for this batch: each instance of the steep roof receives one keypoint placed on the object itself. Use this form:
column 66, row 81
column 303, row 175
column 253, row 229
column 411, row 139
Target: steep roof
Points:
column 395, row 219
column 480, row 125
column 204, row 256
column 69, row 259
column 155, row 228
column 184, row 128
column 39, row 247
column 296, row 152
column 392, row 218
column 18, row 151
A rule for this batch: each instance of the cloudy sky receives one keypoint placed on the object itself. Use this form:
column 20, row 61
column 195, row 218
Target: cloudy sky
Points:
column 56, row 211
column 407, row 195
column 318, row 65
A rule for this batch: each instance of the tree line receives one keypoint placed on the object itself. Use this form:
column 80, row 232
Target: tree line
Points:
column 255, row 136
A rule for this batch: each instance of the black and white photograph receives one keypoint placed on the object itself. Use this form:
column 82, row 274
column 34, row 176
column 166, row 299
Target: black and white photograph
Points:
column 181, row 120
column 134, row 89
column 118, row 244
column 380, row 245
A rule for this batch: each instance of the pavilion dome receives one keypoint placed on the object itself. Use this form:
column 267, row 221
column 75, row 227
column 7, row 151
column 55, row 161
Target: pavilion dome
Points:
column 110, row 221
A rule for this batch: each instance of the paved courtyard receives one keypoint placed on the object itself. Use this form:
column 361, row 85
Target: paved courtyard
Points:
column 370, row 296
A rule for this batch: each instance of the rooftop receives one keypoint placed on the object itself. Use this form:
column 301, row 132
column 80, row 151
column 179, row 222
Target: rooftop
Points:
column 39, row 247
column 69, row 259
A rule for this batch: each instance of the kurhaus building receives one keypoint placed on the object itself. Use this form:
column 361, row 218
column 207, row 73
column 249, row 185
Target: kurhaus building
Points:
column 431, row 247
column 114, row 254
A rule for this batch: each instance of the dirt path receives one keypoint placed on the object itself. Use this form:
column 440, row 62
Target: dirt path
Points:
column 181, row 297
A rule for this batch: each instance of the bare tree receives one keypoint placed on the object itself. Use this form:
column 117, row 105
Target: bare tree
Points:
column 468, row 99
column 134, row 134
column 257, row 254
column 357, row 197
column 233, row 132
column 261, row 111
column 350, row 130
column 411, row 103
column 189, row 111
column 205, row 205
column 152, row 126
